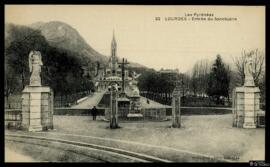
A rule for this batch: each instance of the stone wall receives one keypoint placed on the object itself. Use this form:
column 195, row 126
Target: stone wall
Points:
column 25, row 110
column 157, row 114
column 13, row 118
column 71, row 111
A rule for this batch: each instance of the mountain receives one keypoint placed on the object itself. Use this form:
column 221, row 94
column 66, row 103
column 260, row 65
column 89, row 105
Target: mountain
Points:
column 62, row 35
column 7, row 35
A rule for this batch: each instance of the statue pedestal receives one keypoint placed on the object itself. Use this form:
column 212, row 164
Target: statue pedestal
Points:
column 37, row 108
column 246, row 104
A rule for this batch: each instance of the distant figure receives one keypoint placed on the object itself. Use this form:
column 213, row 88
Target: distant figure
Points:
column 148, row 102
column 94, row 112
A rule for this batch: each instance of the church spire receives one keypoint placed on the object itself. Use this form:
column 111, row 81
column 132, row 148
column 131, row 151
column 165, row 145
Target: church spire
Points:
column 114, row 46
column 114, row 56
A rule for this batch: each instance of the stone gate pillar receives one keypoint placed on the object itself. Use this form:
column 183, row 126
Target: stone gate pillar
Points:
column 246, row 105
column 176, row 110
column 114, row 109
column 37, row 108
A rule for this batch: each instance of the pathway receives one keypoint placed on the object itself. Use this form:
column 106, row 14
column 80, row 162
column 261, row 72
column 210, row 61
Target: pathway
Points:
column 151, row 104
column 92, row 100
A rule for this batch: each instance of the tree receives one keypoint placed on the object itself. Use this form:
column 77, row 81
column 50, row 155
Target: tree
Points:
column 258, row 66
column 199, row 77
column 219, row 80
column 24, row 40
column 61, row 70
column 194, row 79
column 11, row 82
column 157, row 86
column 262, row 90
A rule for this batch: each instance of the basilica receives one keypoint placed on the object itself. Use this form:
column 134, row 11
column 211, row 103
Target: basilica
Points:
column 130, row 104
column 114, row 72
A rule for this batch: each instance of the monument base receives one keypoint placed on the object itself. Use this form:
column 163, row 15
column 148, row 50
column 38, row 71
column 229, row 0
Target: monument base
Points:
column 249, row 125
column 36, row 128
column 37, row 108
column 246, row 104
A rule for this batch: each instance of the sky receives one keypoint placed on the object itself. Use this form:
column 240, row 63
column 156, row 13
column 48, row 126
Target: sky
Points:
column 157, row 44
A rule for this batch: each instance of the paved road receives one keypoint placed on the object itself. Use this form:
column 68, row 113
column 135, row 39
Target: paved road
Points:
column 91, row 101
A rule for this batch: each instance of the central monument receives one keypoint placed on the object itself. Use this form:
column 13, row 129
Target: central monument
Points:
column 37, row 100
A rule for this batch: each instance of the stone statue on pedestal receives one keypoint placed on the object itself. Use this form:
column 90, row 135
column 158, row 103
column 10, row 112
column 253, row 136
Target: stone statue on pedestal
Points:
column 37, row 100
column 248, row 70
column 35, row 63
column 246, row 99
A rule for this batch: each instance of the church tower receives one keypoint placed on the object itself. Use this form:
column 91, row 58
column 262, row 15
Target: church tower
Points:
column 114, row 56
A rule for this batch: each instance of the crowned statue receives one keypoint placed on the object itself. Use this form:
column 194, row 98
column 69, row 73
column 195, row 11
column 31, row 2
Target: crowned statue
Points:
column 248, row 70
column 35, row 63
